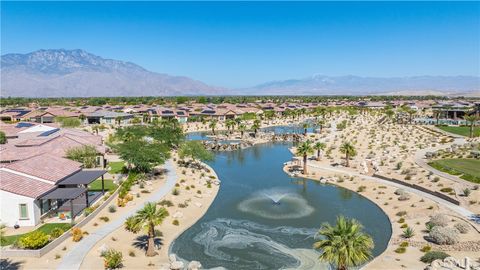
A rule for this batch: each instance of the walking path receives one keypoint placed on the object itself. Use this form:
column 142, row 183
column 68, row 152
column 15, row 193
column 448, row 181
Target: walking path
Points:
column 458, row 209
column 420, row 161
column 73, row 259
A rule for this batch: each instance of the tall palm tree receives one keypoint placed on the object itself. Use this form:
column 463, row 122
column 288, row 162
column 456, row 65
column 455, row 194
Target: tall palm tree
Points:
column 238, row 121
column 305, row 127
column 349, row 150
column 345, row 244
column 389, row 113
column 149, row 217
column 304, row 150
column 471, row 119
column 321, row 123
column 256, row 126
column 242, row 129
column 319, row 146
column 213, row 125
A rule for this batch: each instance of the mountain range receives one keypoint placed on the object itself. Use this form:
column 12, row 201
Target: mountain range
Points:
column 77, row 73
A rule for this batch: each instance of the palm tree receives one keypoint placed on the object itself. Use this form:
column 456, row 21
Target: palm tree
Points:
column 305, row 127
column 242, row 128
column 389, row 113
column 319, row 146
column 118, row 120
column 213, row 125
column 238, row 121
column 345, row 244
column 471, row 119
column 304, row 150
column 349, row 150
column 149, row 217
column 256, row 126
column 230, row 124
column 320, row 123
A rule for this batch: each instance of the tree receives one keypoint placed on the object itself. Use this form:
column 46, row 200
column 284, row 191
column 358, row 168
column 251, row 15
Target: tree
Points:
column 242, row 129
column 319, row 146
column 256, row 126
column 320, row 124
column 345, row 244
column 118, row 120
column 230, row 125
column 304, row 150
column 149, row 217
column 305, row 127
column 142, row 154
column 86, row 154
column 68, row 122
column 349, row 150
column 3, row 138
column 238, row 121
column 389, row 113
column 213, row 125
column 195, row 150
column 471, row 119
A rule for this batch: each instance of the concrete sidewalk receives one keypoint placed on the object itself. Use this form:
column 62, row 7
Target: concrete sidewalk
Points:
column 73, row 259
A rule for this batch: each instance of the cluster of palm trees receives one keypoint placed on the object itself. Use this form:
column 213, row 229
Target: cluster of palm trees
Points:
column 230, row 124
column 307, row 147
column 471, row 120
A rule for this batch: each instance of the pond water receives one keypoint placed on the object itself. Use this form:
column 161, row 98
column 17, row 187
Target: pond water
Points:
column 264, row 219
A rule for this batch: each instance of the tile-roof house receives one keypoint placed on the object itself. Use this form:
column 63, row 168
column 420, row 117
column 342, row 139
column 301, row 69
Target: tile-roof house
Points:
column 32, row 187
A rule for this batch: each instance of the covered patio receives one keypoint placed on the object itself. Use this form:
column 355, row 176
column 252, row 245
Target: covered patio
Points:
column 72, row 196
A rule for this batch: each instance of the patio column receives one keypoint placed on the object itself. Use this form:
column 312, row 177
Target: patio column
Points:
column 103, row 185
column 71, row 212
column 86, row 198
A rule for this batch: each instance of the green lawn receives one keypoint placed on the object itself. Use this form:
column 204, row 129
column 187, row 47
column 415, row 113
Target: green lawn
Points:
column 116, row 167
column 46, row 228
column 469, row 169
column 461, row 130
column 97, row 185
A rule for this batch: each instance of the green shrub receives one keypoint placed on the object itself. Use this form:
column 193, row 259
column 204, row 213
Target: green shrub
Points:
column 426, row 248
column 112, row 209
column 56, row 232
column 401, row 220
column 132, row 225
column 33, row 240
column 446, row 190
column 401, row 213
column 404, row 244
column 400, row 250
column 175, row 192
column 408, row 233
column 431, row 256
column 112, row 259
column 176, row 222
column 165, row 203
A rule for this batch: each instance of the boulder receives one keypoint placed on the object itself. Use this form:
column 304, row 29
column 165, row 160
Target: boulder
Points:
column 172, row 258
column 102, row 249
column 194, row 265
column 176, row 265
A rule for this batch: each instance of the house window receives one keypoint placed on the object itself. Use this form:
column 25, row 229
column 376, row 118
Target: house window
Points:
column 23, row 211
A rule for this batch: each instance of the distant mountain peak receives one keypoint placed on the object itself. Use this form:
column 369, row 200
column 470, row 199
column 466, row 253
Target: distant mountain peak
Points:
column 62, row 61
column 66, row 73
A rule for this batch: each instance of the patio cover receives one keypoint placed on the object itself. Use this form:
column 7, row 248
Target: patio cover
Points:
column 64, row 193
column 83, row 177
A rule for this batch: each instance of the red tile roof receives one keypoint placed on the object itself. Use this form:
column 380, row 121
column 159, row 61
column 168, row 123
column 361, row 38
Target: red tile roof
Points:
column 23, row 185
column 46, row 166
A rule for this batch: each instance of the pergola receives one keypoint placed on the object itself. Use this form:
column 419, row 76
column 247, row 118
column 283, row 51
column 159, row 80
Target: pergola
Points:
column 74, row 186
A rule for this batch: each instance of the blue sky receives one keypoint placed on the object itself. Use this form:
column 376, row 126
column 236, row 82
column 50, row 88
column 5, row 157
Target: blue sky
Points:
column 239, row 44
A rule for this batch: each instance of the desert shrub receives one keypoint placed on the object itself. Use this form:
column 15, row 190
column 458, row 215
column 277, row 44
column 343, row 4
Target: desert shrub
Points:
column 400, row 250
column 426, row 248
column 112, row 259
column 462, row 227
column 88, row 211
column 33, row 240
column 56, row 232
column 176, row 222
column 404, row 197
column 112, row 209
column 77, row 234
column 105, row 219
column 431, row 256
column 400, row 191
column 408, row 233
column 446, row 190
column 439, row 220
column 404, row 244
column 131, row 253
column 361, row 188
column 401, row 213
column 466, row 192
column 131, row 225
column 401, row 220
column 175, row 192
column 444, row 235
column 166, row 203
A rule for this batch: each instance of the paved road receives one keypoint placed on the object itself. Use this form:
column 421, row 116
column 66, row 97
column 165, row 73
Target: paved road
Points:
column 458, row 209
column 73, row 259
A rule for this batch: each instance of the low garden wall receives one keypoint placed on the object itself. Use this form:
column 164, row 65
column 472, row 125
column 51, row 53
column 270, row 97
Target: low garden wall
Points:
column 7, row 252
column 420, row 188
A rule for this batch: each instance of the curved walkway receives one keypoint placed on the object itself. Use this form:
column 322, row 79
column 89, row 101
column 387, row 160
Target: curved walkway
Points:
column 73, row 259
column 457, row 209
